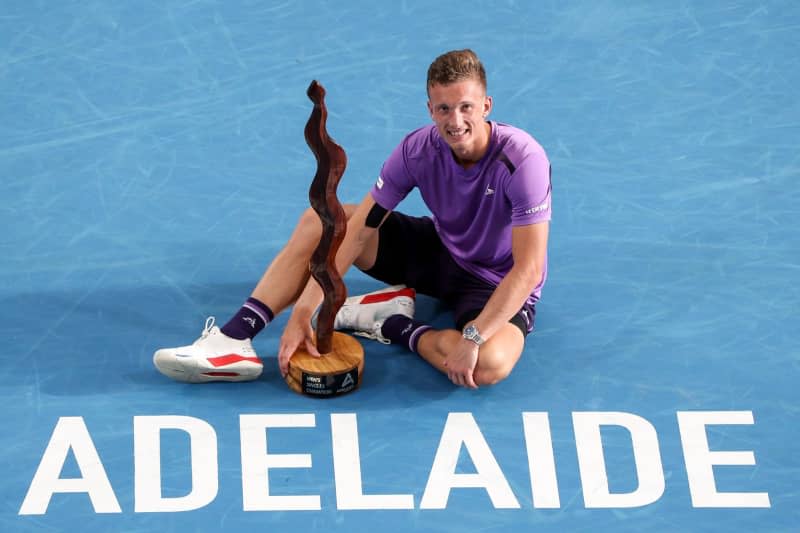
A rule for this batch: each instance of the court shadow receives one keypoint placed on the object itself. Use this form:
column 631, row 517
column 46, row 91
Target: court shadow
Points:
column 101, row 342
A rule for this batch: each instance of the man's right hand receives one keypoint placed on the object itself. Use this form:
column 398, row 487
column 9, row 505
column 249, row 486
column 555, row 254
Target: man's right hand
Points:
column 297, row 333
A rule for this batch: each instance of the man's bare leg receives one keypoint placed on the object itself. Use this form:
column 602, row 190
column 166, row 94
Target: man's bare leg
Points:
column 218, row 356
column 287, row 275
column 496, row 358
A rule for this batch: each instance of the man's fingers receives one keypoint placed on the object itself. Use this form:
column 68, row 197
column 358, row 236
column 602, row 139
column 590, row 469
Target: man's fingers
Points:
column 310, row 348
column 283, row 361
column 462, row 380
column 285, row 353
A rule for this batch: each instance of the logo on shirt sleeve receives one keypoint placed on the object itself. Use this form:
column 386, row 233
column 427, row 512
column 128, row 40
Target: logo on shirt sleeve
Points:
column 379, row 183
column 544, row 206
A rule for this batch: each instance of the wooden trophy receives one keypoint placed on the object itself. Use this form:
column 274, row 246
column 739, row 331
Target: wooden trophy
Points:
column 341, row 364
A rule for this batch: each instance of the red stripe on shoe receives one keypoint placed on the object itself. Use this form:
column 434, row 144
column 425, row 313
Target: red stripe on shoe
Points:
column 386, row 296
column 230, row 359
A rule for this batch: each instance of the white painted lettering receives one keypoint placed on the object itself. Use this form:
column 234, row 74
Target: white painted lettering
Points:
column 591, row 461
column 459, row 429
column 700, row 460
column 347, row 470
column 70, row 433
column 256, row 463
column 541, row 461
column 147, row 463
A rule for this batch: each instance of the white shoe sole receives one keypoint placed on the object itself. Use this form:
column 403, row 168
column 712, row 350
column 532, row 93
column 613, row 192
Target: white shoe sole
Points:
column 193, row 370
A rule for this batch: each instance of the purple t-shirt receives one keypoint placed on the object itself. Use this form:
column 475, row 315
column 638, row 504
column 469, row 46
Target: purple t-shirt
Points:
column 473, row 210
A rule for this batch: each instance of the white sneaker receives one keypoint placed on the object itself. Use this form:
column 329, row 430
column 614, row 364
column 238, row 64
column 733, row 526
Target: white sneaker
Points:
column 366, row 314
column 212, row 357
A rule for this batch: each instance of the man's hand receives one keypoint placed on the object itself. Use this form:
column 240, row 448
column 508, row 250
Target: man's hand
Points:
column 297, row 332
column 461, row 364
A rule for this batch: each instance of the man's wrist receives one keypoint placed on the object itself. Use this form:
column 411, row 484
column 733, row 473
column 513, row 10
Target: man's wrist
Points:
column 472, row 334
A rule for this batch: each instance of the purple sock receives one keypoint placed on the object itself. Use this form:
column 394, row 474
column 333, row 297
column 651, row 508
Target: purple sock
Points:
column 249, row 321
column 400, row 329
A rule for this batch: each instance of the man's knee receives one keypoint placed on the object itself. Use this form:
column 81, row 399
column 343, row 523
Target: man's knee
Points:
column 310, row 221
column 494, row 365
column 491, row 376
column 499, row 356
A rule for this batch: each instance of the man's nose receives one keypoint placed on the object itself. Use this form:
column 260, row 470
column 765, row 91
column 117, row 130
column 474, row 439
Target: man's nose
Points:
column 456, row 117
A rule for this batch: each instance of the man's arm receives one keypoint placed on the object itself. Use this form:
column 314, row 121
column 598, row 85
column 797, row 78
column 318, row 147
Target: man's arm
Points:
column 298, row 328
column 355, row 240
column 529, row 249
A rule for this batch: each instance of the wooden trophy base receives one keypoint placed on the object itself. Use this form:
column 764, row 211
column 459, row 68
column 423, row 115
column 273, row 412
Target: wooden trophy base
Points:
column 334, row 373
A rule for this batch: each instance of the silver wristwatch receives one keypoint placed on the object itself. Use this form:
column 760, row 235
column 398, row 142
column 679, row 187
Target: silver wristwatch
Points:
column 471, row 334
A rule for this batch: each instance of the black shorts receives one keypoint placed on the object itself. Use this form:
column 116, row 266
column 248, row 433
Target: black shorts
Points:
column 411, row 253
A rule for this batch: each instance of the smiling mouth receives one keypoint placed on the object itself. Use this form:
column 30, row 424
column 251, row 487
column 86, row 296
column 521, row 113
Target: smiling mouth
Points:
column 459, row 133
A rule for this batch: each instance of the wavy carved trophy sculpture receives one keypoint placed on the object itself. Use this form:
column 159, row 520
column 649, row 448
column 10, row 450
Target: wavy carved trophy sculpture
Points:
column 339, row 368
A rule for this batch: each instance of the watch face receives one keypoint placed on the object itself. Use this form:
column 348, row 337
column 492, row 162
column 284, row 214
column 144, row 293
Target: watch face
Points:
column 471, row 334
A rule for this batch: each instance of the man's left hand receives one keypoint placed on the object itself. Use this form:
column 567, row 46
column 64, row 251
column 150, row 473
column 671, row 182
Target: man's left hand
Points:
column 461, row 364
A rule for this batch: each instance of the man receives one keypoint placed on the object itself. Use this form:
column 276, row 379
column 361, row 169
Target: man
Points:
column 483, row 252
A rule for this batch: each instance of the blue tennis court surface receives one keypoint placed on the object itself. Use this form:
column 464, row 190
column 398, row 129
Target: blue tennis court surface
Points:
column 152, row 162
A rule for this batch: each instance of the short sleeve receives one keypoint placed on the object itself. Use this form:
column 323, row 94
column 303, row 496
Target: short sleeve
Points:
column 395, row 180
column 529, row 191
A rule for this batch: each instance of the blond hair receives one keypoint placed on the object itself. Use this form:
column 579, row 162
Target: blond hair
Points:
column 455, row 66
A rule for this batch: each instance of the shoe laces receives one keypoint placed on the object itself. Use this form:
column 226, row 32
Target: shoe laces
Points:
column 207, row 328
column 374, row 334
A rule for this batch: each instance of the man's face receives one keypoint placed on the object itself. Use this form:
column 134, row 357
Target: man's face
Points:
column 459, row 110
